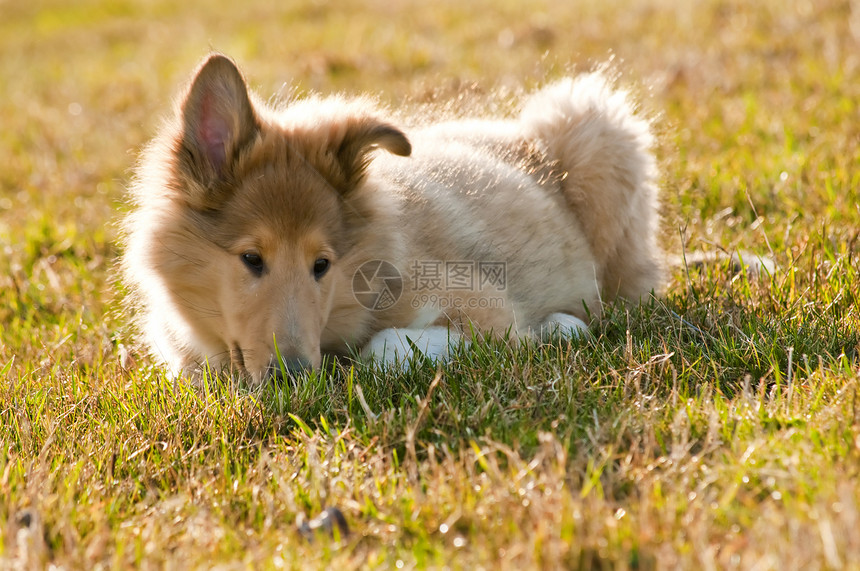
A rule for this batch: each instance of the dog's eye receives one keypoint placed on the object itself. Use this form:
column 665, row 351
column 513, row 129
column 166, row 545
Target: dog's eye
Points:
column 321, row 266
column 254, row 262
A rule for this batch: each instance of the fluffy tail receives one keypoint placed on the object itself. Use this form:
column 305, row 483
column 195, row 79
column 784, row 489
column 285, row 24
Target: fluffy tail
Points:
column 591, row 132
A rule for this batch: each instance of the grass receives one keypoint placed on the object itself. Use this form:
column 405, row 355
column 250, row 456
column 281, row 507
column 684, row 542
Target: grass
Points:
column 714, row 428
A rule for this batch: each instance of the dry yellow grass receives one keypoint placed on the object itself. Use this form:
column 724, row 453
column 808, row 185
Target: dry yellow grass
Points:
column 717, row 428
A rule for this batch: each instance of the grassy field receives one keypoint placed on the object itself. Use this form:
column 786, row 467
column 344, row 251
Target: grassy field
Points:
column 715, row 428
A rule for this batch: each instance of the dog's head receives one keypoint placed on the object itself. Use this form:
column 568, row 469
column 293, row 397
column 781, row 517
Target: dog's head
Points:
column 260, row 218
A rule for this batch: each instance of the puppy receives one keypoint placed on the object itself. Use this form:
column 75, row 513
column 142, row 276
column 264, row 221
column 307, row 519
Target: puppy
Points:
column 263, row 238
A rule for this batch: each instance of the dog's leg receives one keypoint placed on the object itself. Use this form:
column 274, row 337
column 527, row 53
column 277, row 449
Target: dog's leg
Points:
column 563, row 324
column 395, row 346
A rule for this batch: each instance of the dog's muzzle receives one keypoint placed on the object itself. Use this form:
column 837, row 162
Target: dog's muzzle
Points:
column 287, row 366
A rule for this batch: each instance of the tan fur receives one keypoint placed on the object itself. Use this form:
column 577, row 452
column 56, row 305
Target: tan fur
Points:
column 564, row 196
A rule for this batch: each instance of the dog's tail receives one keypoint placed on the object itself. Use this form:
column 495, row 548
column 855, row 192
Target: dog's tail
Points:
column 591, row 133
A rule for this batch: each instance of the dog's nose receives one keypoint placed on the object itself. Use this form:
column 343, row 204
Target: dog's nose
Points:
column 288, row 366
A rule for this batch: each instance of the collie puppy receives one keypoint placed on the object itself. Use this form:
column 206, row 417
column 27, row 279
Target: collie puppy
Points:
column 262, row 238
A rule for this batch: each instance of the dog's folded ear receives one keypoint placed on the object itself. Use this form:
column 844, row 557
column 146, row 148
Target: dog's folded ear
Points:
column 218, row 121
column 338, row 137
column 362, row 136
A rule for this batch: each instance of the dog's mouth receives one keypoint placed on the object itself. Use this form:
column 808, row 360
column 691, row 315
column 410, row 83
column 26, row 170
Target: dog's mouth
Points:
column 237, row 362
column 287, row 367
column 237, row 357
column 278, row 368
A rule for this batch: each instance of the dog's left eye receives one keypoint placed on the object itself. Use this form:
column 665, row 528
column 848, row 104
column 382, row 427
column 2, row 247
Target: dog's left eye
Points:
column 321, row 266
column 254, row 262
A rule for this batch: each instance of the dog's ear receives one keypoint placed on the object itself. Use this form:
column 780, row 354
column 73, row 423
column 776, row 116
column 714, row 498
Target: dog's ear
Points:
column 361, row 137
column 218, row 121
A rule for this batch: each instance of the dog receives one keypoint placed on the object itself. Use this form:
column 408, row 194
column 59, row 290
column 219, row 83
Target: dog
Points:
column 262, row 238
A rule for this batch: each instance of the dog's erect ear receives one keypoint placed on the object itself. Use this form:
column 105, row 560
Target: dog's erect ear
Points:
column 362, row 137
column 218, row 121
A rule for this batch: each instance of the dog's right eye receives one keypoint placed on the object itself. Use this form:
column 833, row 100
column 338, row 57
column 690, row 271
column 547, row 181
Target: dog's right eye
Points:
column 254, row 262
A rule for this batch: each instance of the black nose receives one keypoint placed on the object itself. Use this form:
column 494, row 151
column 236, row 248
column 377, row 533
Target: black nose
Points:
column 288, row 366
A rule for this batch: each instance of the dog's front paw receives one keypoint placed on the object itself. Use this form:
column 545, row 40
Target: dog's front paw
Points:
column 563, row 324
column 395, row 347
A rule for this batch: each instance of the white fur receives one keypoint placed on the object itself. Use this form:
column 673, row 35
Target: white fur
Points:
column 563, row 324
column 395, row 346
